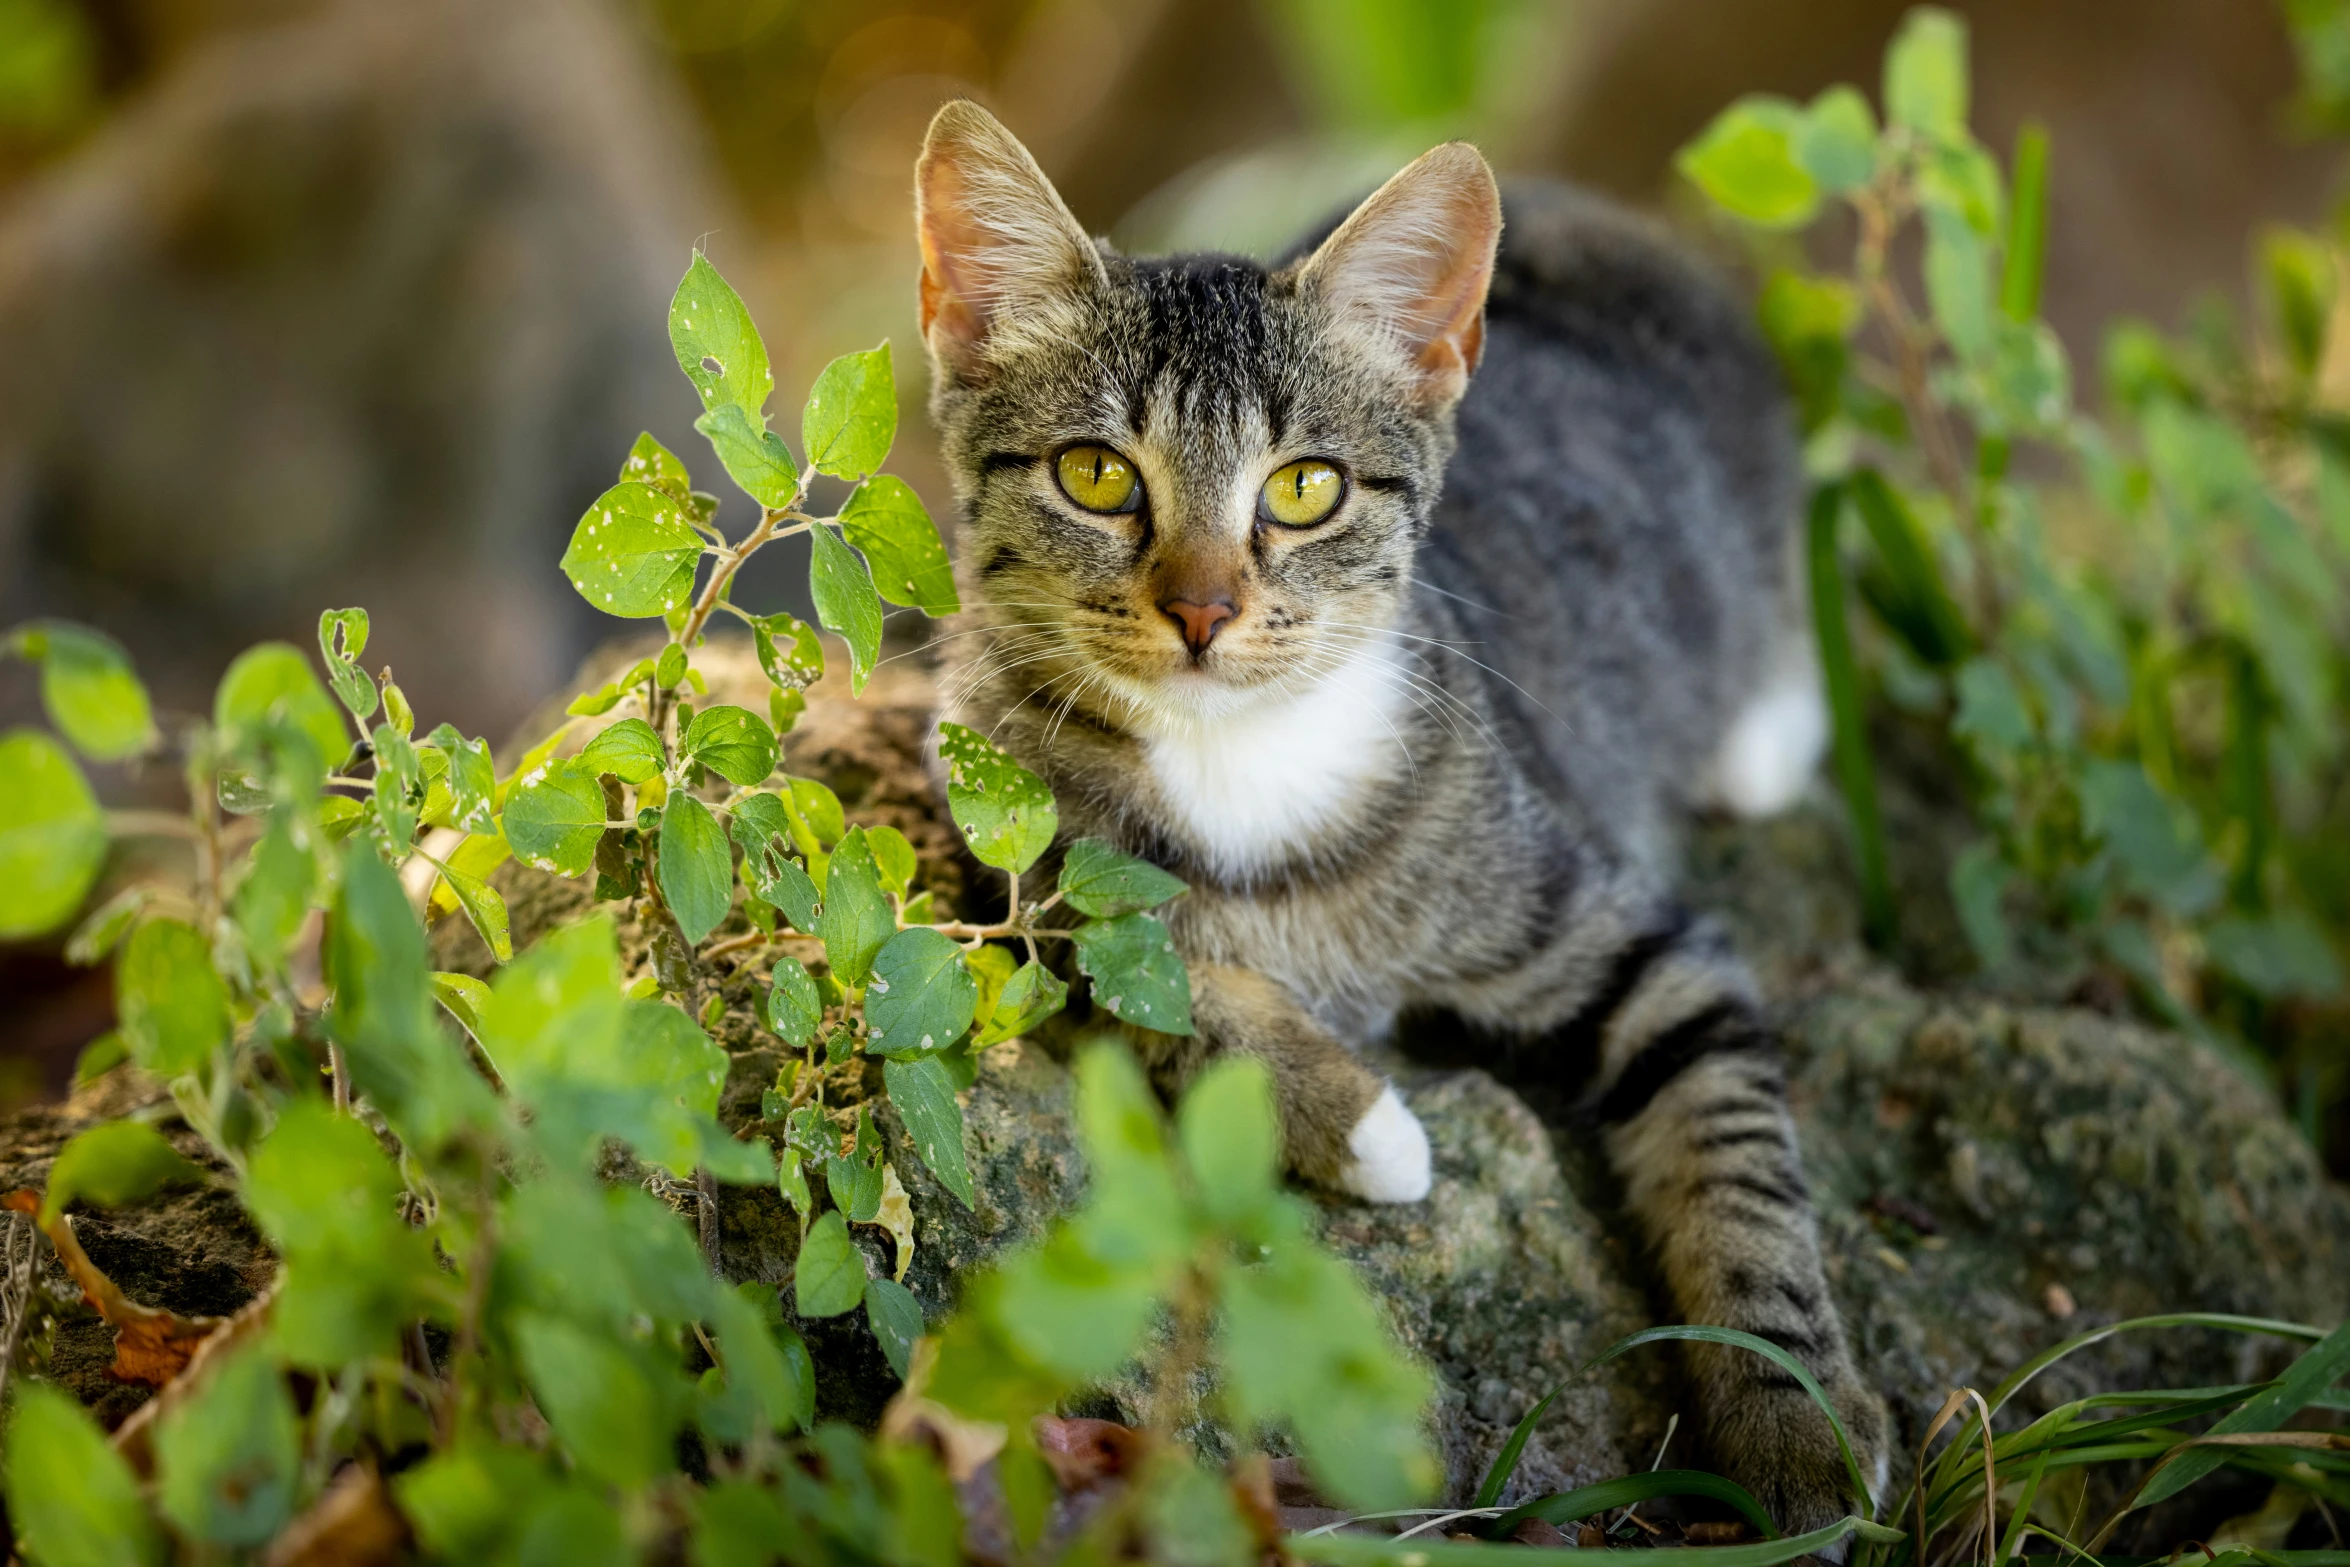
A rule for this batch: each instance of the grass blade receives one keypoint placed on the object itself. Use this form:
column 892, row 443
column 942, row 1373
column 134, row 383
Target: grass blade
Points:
column 1698, row 1333
column 2317, row 1370
column 2027, row 225
column 2177, row 1319
column 1855, row 774
column 1505, row 1462
column 1568, row 1506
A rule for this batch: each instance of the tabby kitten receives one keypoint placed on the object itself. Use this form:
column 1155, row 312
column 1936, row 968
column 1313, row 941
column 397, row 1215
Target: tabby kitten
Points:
column 1399, row 599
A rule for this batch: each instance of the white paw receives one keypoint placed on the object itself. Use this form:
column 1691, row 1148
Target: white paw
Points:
column 1390, row 1148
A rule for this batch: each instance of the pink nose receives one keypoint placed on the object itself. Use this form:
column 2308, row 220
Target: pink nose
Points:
column 1199, row 621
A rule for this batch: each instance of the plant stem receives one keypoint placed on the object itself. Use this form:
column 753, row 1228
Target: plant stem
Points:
column 730, row 561
column 151, row 824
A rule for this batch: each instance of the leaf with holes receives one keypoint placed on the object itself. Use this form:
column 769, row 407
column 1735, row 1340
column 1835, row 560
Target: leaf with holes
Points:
column 1005, row 811
column 554, row 817
column 788, row 650
column 717, row 345
column 887, row 520
column 925, row 1098
column 1136, row 972
column 633, row 553
column 920, row 998
column 342, row 638
column 793, row 1006
column 649, row 462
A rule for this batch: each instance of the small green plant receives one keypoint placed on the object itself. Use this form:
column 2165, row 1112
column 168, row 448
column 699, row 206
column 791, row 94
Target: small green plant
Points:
column 2132, row 627
column 422, row 1148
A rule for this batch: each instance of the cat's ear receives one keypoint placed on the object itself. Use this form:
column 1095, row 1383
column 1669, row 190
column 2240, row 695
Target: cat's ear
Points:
column 999, row 249
column 1412, row 263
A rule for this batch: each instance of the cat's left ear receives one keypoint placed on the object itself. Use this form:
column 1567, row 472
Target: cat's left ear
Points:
column 1000, row 252
column 1412, row 264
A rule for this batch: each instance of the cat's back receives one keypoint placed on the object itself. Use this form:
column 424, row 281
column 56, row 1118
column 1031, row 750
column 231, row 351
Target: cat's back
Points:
column 1614, row 534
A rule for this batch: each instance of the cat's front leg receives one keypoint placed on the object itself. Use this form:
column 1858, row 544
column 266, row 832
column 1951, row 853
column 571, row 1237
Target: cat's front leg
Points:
column 1342, row 1125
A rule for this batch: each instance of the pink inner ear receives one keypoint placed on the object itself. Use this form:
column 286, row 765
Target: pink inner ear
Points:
column 1419, row 255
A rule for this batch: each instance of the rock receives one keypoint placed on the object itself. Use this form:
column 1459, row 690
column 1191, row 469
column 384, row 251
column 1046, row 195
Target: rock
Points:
column 1991, row 1176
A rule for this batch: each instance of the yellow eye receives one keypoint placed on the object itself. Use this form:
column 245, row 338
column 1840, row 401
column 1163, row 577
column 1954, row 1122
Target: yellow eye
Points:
column 1303, row 493
column 1098, row 479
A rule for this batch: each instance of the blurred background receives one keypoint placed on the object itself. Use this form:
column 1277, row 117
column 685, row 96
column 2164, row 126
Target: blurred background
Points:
column 323, row 302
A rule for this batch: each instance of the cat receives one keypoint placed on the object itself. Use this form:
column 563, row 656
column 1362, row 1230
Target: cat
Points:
column 1400, row 599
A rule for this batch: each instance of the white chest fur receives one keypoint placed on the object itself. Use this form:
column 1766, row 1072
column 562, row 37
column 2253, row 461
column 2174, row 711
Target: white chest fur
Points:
column 1247, row 783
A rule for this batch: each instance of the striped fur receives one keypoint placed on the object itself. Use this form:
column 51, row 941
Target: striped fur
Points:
column 1435, row 758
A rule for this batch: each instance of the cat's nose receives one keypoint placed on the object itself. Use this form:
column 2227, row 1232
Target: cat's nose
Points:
column 1199, row 622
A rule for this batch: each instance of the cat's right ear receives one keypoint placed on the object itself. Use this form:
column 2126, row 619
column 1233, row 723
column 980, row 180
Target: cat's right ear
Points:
column 1000, row 252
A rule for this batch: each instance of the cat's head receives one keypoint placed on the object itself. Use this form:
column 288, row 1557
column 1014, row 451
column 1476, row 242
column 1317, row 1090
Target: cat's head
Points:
column 1194, row 478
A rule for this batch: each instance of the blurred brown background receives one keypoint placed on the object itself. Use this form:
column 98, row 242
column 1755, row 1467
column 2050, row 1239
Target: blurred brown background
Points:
column 322, row 302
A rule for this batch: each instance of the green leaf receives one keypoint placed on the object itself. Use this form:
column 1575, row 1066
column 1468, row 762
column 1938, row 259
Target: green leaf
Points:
column 1303, row 1342
column 614, row 1409
column 473, row 787
column 754, row 456
column 2025, row 248
column 1231, row 1139
column 1005, row 811
column 230, row 1457
column 89, row 690
column 886, row 519
column 554, row 817
column 628, row 750
column 852, row 414
column 1837, row 141
column 854, row 1179
column 1920, row 610
column 342, row 637
column 1031, row 995
column 920, row 997
column 2278, row 955
column 273, row 684
column 112, row 1164
column 1979, row 879
column 856, row 918
column 482, row 905
column 669, row 668
column 733, row 742
column 1134, row 1213
column 845, row 601
column 767, row 1353
column 788, row 650
column 1926, row 73
column 1105, row 882
column 1136, row 973
column 924, row 1094
column 1840, row 671
column 649, row 462
column 174, row 1008
column 896, row 1317
column 327, row 1197
column 72, row 1499
column 760, row 825
column 829, row 1278
column 697, row 874
column 463, row 997
column 793, row 1006
column 2152, row 838
column 1745, row 161
column 633, row 554
column 1958, row 282
column 791, row 1182
column 52, row 838
column 894, row 857
column 717, row 346
column 103, row 928
column 464, row 1500
column 2298, row 271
